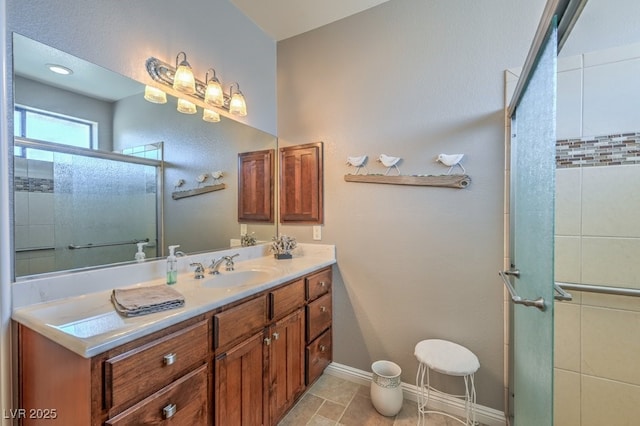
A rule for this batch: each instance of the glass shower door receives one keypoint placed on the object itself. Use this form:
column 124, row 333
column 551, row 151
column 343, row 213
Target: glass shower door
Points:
column 530, row 279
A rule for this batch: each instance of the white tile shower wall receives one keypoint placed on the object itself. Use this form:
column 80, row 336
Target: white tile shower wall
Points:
column 611, row 94
column 597, row 336
column 611, row 201
column 597, row 377
column 568, row 201
column 598, row 92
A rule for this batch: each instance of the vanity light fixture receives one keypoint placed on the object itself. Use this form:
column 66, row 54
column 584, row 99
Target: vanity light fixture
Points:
column 183, row 80
column 186, row 107
column 237, row 104
column 59, row 69
column 155, row 95
column 210, row 115
column 213, row 94
column 166, row 75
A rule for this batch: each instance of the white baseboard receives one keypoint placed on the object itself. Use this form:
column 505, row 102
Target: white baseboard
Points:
column 485, row 415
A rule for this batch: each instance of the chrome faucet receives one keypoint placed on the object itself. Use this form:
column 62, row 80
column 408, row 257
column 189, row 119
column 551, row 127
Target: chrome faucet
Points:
column 215, row 265
column 199, row 271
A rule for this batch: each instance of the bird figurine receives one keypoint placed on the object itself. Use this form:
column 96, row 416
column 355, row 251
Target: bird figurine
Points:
column 389, row 162
column 451, row 160
column 217, row 175
column 358, row 162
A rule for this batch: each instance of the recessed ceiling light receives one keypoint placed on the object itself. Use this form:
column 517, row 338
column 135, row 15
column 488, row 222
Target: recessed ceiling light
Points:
column 59, row 69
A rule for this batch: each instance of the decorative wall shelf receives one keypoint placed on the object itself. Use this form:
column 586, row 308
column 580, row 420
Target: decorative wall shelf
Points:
column 448, row 181
column 197, row 191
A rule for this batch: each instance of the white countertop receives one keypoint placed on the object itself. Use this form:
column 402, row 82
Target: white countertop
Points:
column 88, row 324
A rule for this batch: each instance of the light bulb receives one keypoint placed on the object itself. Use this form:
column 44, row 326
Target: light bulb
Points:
column 210, row 116
column 186, row 107
column 213, row 94
column 155, row 95
column 183, row 80
column 237, row 105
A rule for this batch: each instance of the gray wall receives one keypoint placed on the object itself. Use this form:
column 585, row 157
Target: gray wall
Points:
column 413, row 79
column 42, row 96
column 120, row 36
column 192, row 147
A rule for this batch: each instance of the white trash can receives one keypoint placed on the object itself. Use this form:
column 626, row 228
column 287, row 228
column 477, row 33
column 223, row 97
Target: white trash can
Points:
column 386, row 390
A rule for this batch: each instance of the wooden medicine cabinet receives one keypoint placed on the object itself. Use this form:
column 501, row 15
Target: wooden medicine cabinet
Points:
column 301, row 188
column 255, row 186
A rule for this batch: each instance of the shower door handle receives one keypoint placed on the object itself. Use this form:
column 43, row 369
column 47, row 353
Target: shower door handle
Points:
column 537, row 303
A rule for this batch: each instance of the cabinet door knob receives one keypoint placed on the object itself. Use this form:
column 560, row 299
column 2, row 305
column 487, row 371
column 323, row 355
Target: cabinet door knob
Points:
column 323, row 309
column 276, row 336
column 323, row 284
column 323, row 348
column 169, row 411
column 267, row 341
column 170, row 358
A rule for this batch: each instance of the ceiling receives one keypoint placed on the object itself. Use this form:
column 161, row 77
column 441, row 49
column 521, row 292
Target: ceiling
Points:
column 281, row 19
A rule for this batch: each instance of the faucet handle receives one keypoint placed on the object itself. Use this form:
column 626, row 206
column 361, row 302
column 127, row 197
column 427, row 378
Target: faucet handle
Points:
column 199, row 271
column 229, row 266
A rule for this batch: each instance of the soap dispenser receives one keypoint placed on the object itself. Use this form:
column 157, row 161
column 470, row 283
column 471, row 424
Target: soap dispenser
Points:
column 140, row 254
column 172, row 266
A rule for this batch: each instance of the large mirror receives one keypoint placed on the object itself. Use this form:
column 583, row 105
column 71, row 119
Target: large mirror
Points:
column 95, row 168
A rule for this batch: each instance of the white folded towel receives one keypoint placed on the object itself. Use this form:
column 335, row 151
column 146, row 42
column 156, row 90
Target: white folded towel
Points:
column 146, row 300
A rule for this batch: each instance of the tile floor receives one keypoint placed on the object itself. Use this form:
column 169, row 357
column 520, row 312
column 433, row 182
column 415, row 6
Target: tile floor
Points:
column 338, row 402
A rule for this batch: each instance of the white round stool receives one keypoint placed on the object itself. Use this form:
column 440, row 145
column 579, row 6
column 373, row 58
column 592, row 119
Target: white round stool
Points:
column 447, row 358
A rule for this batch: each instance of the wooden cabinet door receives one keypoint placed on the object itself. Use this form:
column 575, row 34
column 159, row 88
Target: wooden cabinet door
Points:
column 240, row 397
column 286, row 363
column 301, row 196
column 255, row 186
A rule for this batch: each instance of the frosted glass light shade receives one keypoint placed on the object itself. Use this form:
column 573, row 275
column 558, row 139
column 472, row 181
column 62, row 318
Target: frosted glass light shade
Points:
column 213, row 95
column 183, row 80
column 237, row 105
column 186, row 107
column 210, row 116
column 155, row 95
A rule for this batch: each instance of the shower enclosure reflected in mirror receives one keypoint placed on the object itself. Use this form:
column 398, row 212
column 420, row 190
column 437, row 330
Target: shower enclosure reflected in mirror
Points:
column 79, row 202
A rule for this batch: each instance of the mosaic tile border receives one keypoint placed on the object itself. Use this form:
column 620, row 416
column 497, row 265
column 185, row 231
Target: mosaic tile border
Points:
column 27, row 184
column 608, row 150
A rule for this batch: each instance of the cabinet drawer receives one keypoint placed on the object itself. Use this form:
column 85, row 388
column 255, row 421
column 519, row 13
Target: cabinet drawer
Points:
column 318, row 316
column 318, row 284
column 319, row 354
column 242, row 320
column 133, row 375
column 183, row 402
column 286, row 299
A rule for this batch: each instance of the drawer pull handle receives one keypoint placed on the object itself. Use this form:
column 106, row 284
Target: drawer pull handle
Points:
column 276, row 336
column 323, row 309
column 323, row 348
column 170, row 358
column 267, row 341
column 323, row 284
column 169, row 411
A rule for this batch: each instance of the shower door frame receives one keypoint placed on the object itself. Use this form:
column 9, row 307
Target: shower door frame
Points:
column 565, row 13
column 112, row 156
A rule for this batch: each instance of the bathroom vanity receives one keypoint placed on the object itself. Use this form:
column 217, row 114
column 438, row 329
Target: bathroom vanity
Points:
column 231, row 362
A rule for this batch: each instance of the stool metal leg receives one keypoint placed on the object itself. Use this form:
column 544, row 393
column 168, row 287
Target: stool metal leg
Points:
column 422, row 397
column 424, row 391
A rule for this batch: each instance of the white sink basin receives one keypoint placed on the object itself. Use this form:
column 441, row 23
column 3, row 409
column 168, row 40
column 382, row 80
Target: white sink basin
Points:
column 237, row 278
column 93, row 326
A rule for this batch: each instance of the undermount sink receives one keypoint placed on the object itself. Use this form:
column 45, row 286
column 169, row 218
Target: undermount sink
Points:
column 237, row 278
